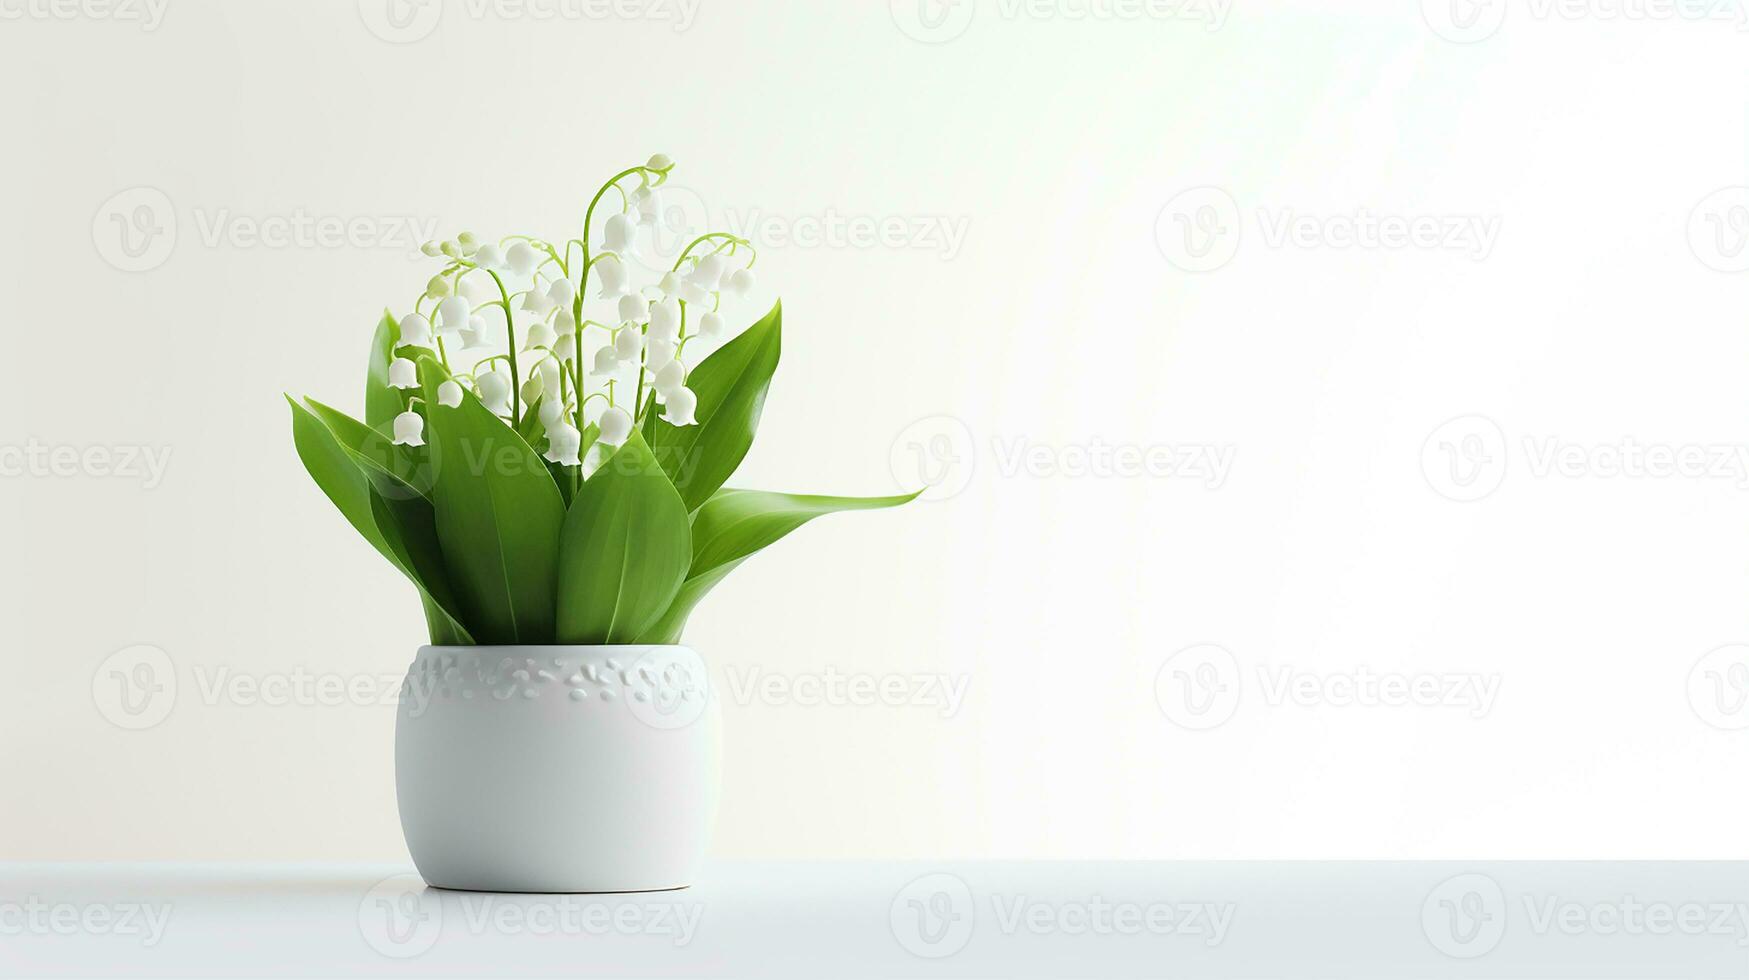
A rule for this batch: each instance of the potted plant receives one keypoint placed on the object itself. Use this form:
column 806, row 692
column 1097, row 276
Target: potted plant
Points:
column 543, row 455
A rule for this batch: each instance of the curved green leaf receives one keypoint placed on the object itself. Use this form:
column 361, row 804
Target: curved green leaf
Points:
column 381, row 402
column 498, row 518
column 408, row 467
column 731, row 385
column 734, row 524
column 625, row 551
column 390, row 526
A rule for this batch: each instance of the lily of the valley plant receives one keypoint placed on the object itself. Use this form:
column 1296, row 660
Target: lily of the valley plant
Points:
column 545, row 443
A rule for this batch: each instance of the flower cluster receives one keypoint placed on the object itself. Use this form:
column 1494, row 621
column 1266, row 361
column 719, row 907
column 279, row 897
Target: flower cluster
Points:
column 515, row 322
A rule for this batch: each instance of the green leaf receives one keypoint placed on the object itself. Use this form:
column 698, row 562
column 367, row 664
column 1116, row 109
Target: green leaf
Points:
column 409, row 467
column 731, row 385
column 626, row 550
column 733, row 525
column 498, row 518
column 389, row 525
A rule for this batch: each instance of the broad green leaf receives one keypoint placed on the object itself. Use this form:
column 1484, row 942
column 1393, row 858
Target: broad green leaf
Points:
column 408, row 466
column 731, row 386
column 498, row 518
column 626, row 550
column 734, row 524
column 389, row 526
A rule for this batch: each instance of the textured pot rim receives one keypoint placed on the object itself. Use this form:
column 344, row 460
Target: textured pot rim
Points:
column 554, row 646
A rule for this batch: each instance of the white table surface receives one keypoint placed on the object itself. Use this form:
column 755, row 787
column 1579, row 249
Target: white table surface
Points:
column 1060, row 919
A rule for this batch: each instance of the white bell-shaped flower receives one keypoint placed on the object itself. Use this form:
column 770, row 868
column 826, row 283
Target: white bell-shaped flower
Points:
column 619, row 234
column 562, row 292
column 563, row 442
column 522, row 258
column 549, row 374
column 437, row 288
column 628, row 344
column 740, row 282
column 539, row 335
column 665, row 320
column 564, row 324
column 490, row 257
column 477, row 334
column 633, row 308
column 615, row 425
column 477, row 289
column 707, row 271
column 415, row 331
column 565, row 348
column 680, row 404
column 536, row 302
column 449, row 394
column 671, row 377
column 409, row 429
column 710, row 326
column 403, row 373
column 694, row 293
column 494, row 391
column 606, row 360
column 658, row 353
column 660, row 161
column 670, row 284
column 646, row 205
column 453, row 314
column 551, row 411
column 613, row 276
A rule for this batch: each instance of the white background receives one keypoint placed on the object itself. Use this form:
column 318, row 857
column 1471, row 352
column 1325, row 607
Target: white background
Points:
column 1602, row 321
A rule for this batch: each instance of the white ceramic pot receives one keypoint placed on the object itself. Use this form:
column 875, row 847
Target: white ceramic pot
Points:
column 557, row 769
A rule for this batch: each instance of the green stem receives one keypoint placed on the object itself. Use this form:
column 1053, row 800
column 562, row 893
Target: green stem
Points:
column 510, row 330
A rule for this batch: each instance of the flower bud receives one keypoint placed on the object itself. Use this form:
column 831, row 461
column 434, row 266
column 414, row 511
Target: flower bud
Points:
column 646, row 205
column 681, row 404
column 467, row 238
column 437, row 288
column 740, row 282
column 708, row 270
column 615, row 425
column 431, row 250
column 403, row 373
column 710, row 326
column 449, row 394
column 489, row 257
column 561, row 292
column 450, row 249
column 660, row 161
column 613, row 276
column 415, row 331
column 564, row 324
column 606, row 360
column 409, row 429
